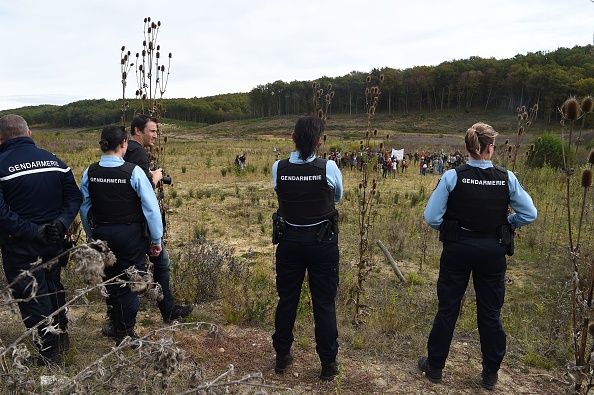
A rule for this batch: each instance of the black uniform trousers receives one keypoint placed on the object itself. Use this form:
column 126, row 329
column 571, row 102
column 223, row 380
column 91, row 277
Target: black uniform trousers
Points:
column 484, row 257
column 129, row 245
column 20, row 256
column 298, row 251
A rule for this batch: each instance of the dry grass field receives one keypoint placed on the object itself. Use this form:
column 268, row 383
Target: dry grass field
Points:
column 232, row 209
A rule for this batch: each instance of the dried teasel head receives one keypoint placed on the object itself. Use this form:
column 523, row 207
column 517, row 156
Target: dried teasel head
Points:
column 368, row 78
column 521, row 131
column 324, row 137
column 509, row 148
column 313, row 85
column 123, row 48
column 388, row 136
column 571, row 109
column 361, row 147
column 372, row 110
column 535, row 107
column 367, row 134
column 587, row 178
column 531, row 147
column 587, row 104
column 374, row 132
column 523, row 109
column 506, row 142
column 539, row 140
column 381, row 145
column 381, row 77
column 524, row 115
column 320, row 114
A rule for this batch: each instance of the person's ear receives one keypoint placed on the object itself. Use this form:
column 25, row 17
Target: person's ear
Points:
column 29, row 133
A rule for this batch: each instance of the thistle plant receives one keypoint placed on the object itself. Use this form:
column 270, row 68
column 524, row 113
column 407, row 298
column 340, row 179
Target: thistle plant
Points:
column 580, row 369
column 526, row 117
column 366, row 193
column 152, row 77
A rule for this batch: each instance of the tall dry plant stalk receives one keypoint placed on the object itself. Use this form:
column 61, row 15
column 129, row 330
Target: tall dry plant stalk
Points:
column 366, row 193
column 152, row 77
column 526, row 117
column 580, row 369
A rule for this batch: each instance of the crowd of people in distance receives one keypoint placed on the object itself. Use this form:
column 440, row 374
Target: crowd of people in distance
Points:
column 388, row 165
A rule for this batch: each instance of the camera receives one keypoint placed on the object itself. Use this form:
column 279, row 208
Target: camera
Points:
column 166, row 180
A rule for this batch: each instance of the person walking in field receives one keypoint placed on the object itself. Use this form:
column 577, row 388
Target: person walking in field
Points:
column 39, row 199
column 308, row 188
column 469, row 206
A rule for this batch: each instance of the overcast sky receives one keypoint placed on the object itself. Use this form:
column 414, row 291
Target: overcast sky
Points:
column 60, row 51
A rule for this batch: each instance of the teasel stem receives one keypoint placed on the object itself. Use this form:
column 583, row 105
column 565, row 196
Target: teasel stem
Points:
column 586, row 183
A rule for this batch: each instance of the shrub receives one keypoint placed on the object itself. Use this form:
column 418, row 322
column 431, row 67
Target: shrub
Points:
column 548, row 150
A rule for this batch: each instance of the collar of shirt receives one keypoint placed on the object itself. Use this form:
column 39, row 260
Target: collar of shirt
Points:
column 294, row 158
column 111, row 161
column 483, row 164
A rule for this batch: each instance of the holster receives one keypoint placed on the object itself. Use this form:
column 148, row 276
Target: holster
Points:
column 505, row 235
column 278, row 227
column 449, row 230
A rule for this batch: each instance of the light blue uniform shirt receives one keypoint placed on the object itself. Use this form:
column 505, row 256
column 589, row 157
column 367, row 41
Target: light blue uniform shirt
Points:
column 142, row 186
column 333, row 174
column 519, row 200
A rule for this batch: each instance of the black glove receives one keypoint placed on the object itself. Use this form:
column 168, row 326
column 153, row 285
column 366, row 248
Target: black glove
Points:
column 55, row 231
column 41, row 236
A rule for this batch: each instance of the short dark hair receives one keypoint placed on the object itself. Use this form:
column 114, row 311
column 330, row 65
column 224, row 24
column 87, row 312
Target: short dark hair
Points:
column 112, row 136
column 306, row 135
column 139, row 122
column 12, row 125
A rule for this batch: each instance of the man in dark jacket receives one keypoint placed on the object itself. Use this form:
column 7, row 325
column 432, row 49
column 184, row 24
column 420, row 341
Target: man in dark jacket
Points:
column 144, row 134
column 39, row 199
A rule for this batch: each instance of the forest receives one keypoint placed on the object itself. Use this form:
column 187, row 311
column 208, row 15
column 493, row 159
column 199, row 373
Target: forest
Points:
column 466, row 84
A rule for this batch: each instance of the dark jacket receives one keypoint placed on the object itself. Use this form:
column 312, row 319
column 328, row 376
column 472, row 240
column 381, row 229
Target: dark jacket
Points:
column 35, row 188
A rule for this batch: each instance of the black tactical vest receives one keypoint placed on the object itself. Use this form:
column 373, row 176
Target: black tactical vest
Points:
column 480, row 199
column 113, row 200
column 304, row 197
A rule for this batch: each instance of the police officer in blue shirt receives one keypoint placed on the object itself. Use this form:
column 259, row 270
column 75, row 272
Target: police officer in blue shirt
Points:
column 118, row 205
column 307, row 234
column 470, row 208
column 39, row 199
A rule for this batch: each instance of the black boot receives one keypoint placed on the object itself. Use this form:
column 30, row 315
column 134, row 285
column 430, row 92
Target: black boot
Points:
column 130, row 336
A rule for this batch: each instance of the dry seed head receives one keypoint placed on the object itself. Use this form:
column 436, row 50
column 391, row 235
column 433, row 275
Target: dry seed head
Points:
column 158, row 55
column 506, row 142
column 170, row 55
column 571, row 109
column 149, row 30
column 528, row 123
column 521, row 131
column 519, row 117
column 509, row 156
column 144, row 43
column 381, row 77
column 367, row 133
column 539, row 140
column 123, row 48
column 329, row 87
column 368, row 78
column 366, row 91
column 531, row 147
column 523, row 109
column 320, row 114
column 587, row 178
column 122, row 61
column 158, row 23
column 524, row 115
column 535, row 107
column 143, row 53
column 162, row 68
column 381, row 145
column 165, row 139
column 509, row 148
column 372, row 110
column 587, row 104
column 313, row 85
column 324, row 138
column 361, row 147
column 388, row 136
column 374, row 132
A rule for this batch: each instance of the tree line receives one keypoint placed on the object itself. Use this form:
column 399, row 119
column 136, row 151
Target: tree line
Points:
column 546, row 78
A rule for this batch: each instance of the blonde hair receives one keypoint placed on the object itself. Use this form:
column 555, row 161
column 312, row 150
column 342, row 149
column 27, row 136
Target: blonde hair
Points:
column 478, row 137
